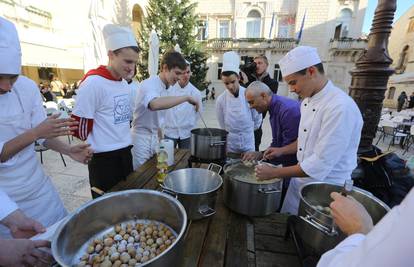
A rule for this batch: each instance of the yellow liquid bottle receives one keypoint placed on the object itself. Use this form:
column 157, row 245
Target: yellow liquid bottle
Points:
column 162, row 164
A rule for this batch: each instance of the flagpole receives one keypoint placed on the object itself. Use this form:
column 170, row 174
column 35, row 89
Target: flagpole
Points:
column 301, row 28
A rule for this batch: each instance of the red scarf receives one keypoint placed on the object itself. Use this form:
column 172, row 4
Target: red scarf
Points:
column 101, row 71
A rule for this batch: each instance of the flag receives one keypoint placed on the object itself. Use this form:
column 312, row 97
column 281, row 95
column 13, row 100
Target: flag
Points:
column 271, row 25
column 301, row 28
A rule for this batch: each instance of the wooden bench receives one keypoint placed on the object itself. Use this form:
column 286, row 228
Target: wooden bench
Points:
column 226, row 238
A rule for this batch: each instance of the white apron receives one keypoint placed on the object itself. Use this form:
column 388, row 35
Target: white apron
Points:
column 23, row 179
column 239, row 123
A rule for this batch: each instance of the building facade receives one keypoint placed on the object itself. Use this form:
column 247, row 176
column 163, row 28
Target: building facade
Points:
column 401, row 50
column 66, row 39
column 272, row 28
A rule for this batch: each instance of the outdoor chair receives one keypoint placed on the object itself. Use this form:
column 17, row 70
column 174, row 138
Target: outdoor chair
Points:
column 40, row 148
column 410, row 140
column 389, row 130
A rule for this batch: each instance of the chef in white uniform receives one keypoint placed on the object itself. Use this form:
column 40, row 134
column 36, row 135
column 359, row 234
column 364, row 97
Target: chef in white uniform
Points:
column 21, row 251
column 329, row 129
column 389, row 243
column 22, row 122
column 150, row 103
column 181, row 119
column 233, row 112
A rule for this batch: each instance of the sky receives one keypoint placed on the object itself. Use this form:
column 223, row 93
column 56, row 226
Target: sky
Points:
column 402, row 7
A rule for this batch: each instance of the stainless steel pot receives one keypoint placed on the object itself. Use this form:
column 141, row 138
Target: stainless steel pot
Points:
column 208, row 143
column 196, row 189
column 317, row 228
column 251, row 198
column 104, row 212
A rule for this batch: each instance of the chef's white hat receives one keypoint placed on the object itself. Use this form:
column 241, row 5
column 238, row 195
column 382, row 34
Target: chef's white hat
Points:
column 299, row 58
column 117, row 37
column 10, row 52
column 231, row 62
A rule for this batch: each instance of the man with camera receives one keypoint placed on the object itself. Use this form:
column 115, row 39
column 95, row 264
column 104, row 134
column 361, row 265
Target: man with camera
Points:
column 257, row 71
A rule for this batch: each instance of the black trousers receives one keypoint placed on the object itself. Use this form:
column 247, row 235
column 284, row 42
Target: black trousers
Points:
column 257, row 138
column 106, row 169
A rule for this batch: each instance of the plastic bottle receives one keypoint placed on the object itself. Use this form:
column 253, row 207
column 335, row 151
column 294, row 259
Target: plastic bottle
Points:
column 162, row 164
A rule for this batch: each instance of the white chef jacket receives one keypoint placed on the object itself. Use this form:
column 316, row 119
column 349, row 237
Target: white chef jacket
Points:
column 107, row 102
column 235, row 116
column 146, row 122
column 22, row 178
column 329, row 134
column 7, row 205
column 181, row 119
column 390, row 242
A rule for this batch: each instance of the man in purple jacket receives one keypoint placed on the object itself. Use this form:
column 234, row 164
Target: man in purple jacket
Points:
column 284, row 120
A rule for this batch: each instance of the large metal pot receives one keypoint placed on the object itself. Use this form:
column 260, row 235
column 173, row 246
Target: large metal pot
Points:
column 317, row 228
column 249, row 196
column 103, row 213
column 196, row 189
column 209, row 143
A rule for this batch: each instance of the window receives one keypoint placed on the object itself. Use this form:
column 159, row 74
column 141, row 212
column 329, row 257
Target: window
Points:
column 411, row 25
column 219, row 68
column 201, row 30
column 277, row 74
column 253, row 24
column 402, row 63
column 391, row 93
column 343, row 24
column 224, row 28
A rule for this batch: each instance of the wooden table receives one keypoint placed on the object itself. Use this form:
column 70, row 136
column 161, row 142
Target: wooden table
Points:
column 226, row 238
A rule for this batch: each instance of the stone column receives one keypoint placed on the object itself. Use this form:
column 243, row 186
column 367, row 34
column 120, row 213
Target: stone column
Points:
column 370, row 77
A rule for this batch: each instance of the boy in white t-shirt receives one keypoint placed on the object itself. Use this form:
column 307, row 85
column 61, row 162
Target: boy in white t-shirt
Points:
column 151, row 99
column 103, row 110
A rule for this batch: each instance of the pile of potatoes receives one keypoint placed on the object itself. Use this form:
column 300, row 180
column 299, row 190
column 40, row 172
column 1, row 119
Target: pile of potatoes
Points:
column 130, row 244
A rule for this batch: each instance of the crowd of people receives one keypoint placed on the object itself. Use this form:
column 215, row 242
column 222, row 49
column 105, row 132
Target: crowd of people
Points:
column 54, row 88
column 121, row 123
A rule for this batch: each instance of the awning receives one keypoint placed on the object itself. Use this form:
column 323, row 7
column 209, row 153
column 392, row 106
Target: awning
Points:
column 407, row 77
column 51, row 57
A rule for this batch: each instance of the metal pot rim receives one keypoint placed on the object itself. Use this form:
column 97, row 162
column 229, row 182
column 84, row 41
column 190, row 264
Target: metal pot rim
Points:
column 195, row 194
column 124, row 192
column 357, row 189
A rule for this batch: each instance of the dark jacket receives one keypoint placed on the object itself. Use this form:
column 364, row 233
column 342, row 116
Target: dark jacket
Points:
column 272, row 83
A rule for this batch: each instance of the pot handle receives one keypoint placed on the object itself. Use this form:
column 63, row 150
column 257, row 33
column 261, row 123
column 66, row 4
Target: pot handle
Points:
column 218, row 143
column 168, row 191
column 309, row 219
column 206, row 211
column 214, row 167
column 268, row 190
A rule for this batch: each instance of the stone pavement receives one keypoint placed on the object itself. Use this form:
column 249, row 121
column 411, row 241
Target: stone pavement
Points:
column 72, row 181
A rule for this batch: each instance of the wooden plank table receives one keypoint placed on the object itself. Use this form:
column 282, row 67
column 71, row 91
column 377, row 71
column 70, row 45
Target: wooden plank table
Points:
column 226, row 238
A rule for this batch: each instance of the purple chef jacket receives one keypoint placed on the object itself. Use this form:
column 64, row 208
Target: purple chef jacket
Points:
column 284, row 120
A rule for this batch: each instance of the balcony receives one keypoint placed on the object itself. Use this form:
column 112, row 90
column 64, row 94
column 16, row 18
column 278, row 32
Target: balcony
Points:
column 226, row 44
column 348, row 44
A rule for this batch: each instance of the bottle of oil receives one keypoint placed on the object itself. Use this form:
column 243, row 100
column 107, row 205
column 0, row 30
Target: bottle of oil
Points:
column 162, row 164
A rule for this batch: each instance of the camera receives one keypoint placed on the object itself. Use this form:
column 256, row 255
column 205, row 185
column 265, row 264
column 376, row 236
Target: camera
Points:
column 249, row 69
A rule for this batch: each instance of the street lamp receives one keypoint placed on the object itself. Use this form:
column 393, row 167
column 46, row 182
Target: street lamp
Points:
column 370, row 77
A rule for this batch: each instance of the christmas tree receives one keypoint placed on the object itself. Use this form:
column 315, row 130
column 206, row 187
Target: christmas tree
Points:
column 175, row 22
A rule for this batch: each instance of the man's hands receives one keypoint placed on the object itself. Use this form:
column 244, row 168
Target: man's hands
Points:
column 81, row 153
column 194, row 102
column 272, row 152
column 24, row 252
column 22, row 226
column 54, row 127
column 350, row 216
column 252, row 155
column 265, row 172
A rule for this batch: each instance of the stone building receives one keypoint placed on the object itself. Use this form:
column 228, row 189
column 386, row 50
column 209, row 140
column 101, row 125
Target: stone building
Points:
column 65, row 38
column 401, row 50
column 272, row 27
